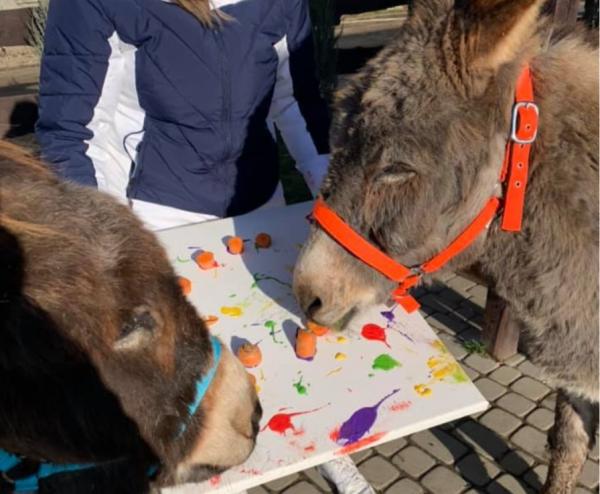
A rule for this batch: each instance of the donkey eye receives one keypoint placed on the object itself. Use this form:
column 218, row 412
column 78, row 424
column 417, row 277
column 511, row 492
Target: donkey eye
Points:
column 396, row 173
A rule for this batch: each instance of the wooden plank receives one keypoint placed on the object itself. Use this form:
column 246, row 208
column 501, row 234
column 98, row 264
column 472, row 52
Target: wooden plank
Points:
column 564, row 12
column 345, row 7
column 13, row 27
column 500, row 330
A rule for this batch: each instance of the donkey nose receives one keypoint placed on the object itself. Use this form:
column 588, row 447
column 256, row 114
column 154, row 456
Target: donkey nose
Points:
column 309, row 303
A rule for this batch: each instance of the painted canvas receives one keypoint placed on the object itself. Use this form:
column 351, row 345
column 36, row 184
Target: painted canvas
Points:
column 387, row 375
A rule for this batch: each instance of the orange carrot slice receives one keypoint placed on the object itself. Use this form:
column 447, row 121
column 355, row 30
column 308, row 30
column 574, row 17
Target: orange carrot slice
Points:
column 205, row 260
column 211, row 320
column 306, row 344
column 263, row 241
column 185, row 285
column 235, row 245
column 316, row 329
column 249, row 355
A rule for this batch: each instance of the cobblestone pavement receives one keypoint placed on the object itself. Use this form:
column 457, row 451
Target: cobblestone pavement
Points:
column 500, row 451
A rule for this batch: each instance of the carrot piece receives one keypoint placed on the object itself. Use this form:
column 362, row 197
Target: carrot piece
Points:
column 249, row 355
column 185, row 285
column 306, row 344
column 210, row 320
column 235, row 245
column 263, row 241
column 316, row 329
column 205, row 260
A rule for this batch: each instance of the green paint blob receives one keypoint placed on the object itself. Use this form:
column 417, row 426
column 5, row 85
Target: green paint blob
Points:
column 384, row 362
column 300, row 388
column 460, row 376
column 270, row 325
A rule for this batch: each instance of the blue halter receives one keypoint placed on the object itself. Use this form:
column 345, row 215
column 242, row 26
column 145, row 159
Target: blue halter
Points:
column 30, row 483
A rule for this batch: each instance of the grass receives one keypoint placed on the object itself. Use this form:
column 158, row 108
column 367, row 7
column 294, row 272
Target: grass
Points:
column 294, row 187
column 475, row 347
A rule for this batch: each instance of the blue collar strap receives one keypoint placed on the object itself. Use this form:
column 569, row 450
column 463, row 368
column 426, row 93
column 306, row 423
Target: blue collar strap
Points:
column 30, row 483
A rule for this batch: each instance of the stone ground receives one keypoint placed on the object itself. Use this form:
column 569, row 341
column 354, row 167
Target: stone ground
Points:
column 500, row 451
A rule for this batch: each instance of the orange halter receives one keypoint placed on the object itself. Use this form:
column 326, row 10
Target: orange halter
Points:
column 514, row 176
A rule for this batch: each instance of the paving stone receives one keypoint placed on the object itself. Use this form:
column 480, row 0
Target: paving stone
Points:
column 550, row 401
column 482, row 439
column 507, row 484
column 532, row 441
column 449, row 324
column 501, row 422
column 451, row 298
column 435, row 303
column 472, row 373
column 390, row 449
column 527, row 368
column 460, row 285
column 589, row 475
column 478, row 295
column 505, row 375
column 442, row 479
column 405, row 486
column 477, row 470
column 316, row 478
column 475, row 491
column 484, row 365
column 515, row 359
column 469, row 334
column 440, row 444
column 361, row 455
column 445, row 276
column 302, row 488
column 283, row 482
column 530, row 388
column 258, row 490
column 379, row 472
column 454, row 345
column 413, row 461
column 536, row 477
column 516, row 404
column 541, row 418
column 517, row 462
column 469, row 313
column 491, row 390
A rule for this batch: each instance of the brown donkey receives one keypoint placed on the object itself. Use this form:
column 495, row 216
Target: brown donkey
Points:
column 103, row 361
column 418, row 143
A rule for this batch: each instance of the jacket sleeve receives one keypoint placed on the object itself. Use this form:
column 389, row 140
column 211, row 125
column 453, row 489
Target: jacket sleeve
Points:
column 297, row 109
column 74, row 65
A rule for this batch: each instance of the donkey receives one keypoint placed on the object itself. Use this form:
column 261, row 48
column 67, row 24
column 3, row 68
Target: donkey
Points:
column 104, row 364
column 418, row 141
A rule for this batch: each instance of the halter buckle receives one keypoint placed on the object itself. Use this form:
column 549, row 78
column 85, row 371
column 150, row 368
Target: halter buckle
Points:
column 524, row 126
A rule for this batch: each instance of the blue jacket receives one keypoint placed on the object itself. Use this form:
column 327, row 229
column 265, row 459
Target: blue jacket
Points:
column 138, row 98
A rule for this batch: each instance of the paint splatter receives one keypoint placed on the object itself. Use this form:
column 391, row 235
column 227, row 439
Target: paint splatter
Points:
column 360, row 444
column 340, row 356
column 182, row 261
column 390, row 317
column 251, row 471
column 334, row 371
column 270, row 325
column 374, row 332
column 360, row 422
column 342, row 339
column 385, row 362
column 401, row 406
column 310, row 448
column 215, row 480
column 233, row 311
column 422, row 390
column 300, row 388
column 211, row 320
column 258, row 277
column 282, row 422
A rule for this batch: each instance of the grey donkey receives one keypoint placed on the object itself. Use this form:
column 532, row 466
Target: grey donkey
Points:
column 418, row 142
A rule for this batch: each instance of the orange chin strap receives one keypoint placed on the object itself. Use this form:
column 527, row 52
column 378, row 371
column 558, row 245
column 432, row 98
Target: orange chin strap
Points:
column 514, row 177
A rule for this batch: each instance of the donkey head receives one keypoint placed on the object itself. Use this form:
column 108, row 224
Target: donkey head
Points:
column 418, row 140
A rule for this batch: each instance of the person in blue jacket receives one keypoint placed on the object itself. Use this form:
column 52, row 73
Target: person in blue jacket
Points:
column 172, row 106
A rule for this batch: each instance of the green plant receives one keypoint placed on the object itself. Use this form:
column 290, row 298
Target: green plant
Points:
column 475, row 346
column 37, row 26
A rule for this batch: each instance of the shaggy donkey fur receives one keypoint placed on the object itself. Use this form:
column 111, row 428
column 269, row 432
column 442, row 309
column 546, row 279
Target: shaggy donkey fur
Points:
column 418, row 143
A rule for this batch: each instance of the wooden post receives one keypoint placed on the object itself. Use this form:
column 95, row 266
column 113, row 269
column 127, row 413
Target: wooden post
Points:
column 500, row 330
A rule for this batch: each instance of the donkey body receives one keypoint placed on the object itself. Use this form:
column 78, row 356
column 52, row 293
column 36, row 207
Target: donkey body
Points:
column 100, row 352
column 418, row 144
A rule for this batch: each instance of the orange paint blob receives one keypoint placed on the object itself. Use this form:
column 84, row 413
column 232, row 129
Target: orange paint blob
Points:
column 235, row 245
column 206, row 260
column 185, row 285
column 249, row 355
column 211, row 320
column 316, row 329
column 306, row 344
column 263, row 241
column 360, row 444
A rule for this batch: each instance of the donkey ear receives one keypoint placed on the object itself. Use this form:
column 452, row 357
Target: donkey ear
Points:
column 137, row 330
column 493, row 31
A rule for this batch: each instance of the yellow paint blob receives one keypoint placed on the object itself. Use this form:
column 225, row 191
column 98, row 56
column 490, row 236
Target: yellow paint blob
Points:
column 445, row 371
column 232, row 311
column 342, row 339
column 422, row 390
column 340, row 356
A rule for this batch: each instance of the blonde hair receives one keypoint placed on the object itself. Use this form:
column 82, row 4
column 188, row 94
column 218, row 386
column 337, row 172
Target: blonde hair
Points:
column 202, row 11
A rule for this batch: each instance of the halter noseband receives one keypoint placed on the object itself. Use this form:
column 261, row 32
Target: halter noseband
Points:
column 524, row 125
column 30, row 483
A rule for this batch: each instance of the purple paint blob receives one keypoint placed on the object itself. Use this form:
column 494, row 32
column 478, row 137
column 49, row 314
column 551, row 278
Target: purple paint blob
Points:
column 388, row 315
column 360, row 422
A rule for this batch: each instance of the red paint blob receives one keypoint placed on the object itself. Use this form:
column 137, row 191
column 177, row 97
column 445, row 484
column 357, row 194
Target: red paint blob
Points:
column 334, row 435
column 310, row 448
column 281, row 422
column 400, row 406
column 374, row 332
column 360, row 444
